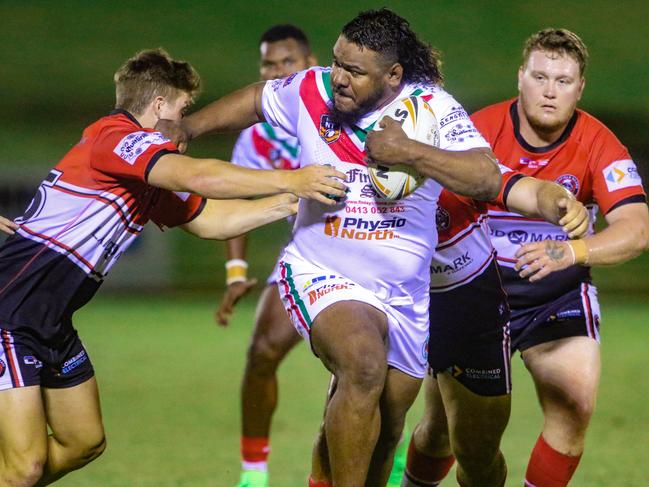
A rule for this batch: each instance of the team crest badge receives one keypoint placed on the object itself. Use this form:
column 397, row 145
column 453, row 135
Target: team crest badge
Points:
column 442, row 219
column 570, row 182
column 329, row 130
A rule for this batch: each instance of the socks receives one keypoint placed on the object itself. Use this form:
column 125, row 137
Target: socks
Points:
column 319, row 483
column 548, row 467
column 425, row 471
column 254, row 453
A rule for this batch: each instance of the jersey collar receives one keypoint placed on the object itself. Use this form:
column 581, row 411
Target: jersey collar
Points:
column 127, row 114
column 513, row 113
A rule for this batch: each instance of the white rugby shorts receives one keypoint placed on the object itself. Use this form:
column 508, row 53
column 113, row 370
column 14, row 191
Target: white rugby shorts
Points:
column 307, row 289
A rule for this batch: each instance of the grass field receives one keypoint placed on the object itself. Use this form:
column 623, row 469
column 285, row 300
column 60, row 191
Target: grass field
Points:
column 169, row 380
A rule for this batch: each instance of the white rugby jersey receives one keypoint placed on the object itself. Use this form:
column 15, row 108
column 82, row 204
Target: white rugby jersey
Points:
column 385, row 246
column 263, row 146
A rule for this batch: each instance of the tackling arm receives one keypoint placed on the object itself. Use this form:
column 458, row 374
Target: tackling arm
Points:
column 473, row 173
column 216, row 179
column 223, row 219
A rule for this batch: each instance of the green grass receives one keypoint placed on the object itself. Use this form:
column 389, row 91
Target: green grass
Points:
column 169, row 380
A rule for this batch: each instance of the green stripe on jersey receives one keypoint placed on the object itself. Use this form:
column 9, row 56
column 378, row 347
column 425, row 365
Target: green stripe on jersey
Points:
column 326, row 81
column 296, row 295
column 270, row 132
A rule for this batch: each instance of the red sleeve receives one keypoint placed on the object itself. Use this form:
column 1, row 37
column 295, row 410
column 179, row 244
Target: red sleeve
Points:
column 173, row 208
column 615, row 177
column 129, row 152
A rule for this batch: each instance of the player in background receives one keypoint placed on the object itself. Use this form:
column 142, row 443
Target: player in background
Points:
column 86, row 212
column 284, row 50
column 355, row 277
column 555, row 313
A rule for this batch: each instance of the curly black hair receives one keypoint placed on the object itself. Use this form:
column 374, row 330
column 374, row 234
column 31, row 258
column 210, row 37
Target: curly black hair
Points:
column 390, row 35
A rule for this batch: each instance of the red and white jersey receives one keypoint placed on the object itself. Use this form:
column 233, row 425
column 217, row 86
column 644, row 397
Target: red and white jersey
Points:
column 263, row 146
column 385, row 246
column 464, row 250
column 85, row 214
column 587, row 159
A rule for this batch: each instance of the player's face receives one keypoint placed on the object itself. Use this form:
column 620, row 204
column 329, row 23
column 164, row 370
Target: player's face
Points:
column 283, row 58
column 360, row 80
column 550, row 85
column 174, row 108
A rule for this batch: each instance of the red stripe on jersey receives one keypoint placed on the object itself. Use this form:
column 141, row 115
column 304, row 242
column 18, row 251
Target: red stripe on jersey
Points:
column 123, row 215
column 470, row 228
column 10, row 355
column 294, row 305
column 343, row 147
column 58, row 244
column 262, row 146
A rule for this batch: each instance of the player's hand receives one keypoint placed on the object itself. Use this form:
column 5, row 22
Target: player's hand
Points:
column 320, row 183
column 7, row 226
column 575, row 218
column 174, row 131
column 234, row 293
column 537, row 260
column 386, row 146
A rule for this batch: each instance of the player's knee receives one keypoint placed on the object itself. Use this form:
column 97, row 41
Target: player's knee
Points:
column 476, row 457
column 577, row 409
column 432, row 437
column 23, row 469
column 264, row 356
column 366, row 375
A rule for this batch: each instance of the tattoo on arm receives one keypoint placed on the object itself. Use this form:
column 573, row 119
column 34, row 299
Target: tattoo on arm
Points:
column 555, row 251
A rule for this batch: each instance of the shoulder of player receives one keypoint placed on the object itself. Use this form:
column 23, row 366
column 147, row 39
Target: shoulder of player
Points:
column 593, row 130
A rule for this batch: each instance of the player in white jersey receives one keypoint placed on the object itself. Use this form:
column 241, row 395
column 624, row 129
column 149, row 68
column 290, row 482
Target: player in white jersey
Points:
column 355, row 276
column 284, row 49
column 87, row 211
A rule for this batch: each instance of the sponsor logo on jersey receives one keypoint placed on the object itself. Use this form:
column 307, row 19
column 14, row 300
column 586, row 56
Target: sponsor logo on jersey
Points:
column 461, row 132
column 570, row 182
column 532, row 163
column 328, row 288
column 569, row 313
column 31, row 360
column 362, row 229
column 354, row 175
column 442, row 219
column 288, row 80
column 368, row 191
column 3, row 367
column 621, row 174
column 74, row 362
column 519, row 237
column 134, row 144
column 316, row 280
column 329, row 130
column 457, row 113
column 456, row 265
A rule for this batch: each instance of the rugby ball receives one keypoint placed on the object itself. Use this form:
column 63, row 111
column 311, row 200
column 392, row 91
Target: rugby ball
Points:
column 419, row 123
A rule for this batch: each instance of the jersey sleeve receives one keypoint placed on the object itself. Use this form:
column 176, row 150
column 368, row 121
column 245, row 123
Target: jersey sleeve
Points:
column 510, row 177
column 457, row 131
column 280, row 102
column 173, row 208
column 616, row 180
column 129, row 154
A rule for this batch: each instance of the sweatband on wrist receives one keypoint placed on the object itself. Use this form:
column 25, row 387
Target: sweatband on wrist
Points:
column 236, row 270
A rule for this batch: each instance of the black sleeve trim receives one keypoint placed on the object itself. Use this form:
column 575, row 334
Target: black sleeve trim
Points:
column 636, row 198
column 154, row 159
column 198, row 211
column 509, row 185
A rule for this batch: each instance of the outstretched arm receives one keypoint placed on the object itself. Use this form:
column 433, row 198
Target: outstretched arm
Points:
column 536, row 198
column 235, row 111
column 223, row 219
column 625, row 237
column 218, row 179
column 473, row 173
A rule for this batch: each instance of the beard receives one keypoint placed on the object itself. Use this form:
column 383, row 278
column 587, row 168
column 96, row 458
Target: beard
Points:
column 350, row 117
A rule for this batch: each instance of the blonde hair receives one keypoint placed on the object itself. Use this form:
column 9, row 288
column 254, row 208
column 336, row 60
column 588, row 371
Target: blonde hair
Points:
column 152, row 73
column 560, row 41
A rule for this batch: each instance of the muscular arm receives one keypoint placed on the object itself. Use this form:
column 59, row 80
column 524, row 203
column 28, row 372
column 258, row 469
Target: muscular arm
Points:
column 625, row 237
column 536, row 198
column 223, row 219
column 473, row 173
column 218, row 179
